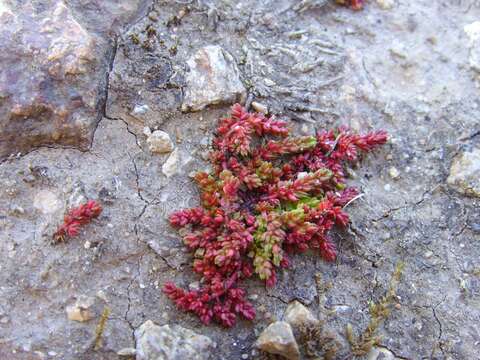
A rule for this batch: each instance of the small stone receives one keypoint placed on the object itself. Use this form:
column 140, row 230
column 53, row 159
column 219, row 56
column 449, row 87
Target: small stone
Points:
column 171, row 165
column 194, row 286
column 147, row 131
column 80, row 311
column 40, row 355
column 140, row 109
column 159, row 142
column 473, row 33
column 244, row 356
column 428, row 254
column 380, row 354
column 475, row 227
column 171, row 342
column 47, row 202
column 87, row 244
column 205, row 155
column 278, row 339
column 298, row 315
column 306, row 129
column 18, row 210
column 342, row 309
column 386, row 4
column 465, row 173
column 101, row 295
column 204, row 142
column 213, row 78
column 393, row 172
column 127, row 352
column 473, row 30
column 269, row 82
column 398, row 49
column 259, row 107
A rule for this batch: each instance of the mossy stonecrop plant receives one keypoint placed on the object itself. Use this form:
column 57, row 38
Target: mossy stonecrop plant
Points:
column 269, row 194
column 76, row 218
column 353, row 4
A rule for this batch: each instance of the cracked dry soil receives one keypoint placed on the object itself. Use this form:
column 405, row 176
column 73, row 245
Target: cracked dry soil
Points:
column 404, row 69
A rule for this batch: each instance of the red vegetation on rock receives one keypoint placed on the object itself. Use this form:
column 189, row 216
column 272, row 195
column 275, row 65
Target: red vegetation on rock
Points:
column 353, row 4
column 268, row 195
column 75, row 218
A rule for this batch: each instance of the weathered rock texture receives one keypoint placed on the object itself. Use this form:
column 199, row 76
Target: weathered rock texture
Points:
column 405, row 69
column 212, row 78
column 52, row 79
column 465, row 173
column 171, row 343
column 54, row 65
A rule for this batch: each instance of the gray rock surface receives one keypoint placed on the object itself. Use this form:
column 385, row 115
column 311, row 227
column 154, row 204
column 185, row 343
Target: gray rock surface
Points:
column 278, row 339
column 52, row 79
column 212, row 78
column 54, row 67
column 465, row 173
column 406, row 70
column 171, row 343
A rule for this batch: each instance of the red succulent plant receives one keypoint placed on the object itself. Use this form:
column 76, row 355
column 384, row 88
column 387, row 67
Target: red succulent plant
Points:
column 353, row 4
column 75, row 218
column 268, row 195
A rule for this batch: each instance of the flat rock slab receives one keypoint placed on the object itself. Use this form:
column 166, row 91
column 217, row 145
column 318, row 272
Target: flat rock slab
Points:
column 52, row 78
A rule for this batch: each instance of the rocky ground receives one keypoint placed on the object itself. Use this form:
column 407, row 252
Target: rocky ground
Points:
column 112, row 102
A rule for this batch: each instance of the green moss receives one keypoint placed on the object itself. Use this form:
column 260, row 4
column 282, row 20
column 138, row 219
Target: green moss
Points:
column 101, row 327
column 379, row 312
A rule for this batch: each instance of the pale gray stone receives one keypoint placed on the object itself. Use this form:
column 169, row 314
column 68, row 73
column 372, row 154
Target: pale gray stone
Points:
column 170, row 167
column 278, row 339
column 159, row 142
column 213, row 78
column 298, row 315
column 465, row 173
column 81, row 310
column 473, row 33
column 171, row 342
column 380, row 354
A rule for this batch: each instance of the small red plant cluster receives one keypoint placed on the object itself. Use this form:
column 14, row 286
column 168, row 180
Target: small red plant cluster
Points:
column 353, row 4
column 268, row 195
column 75, row 218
